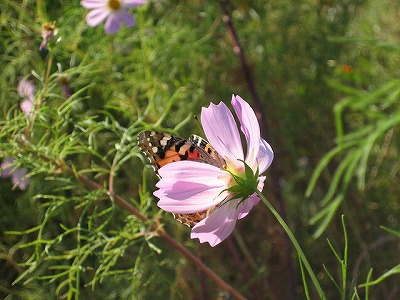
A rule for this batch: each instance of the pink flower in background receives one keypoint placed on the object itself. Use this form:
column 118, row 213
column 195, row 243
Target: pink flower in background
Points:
column 113, row 11
column 26, row 89
column 188, row 187
column 18, row 175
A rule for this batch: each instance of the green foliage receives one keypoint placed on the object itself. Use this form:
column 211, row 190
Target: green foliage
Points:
column 344, row 264
column 380, row 115
column 394, row 271
column 65, row 236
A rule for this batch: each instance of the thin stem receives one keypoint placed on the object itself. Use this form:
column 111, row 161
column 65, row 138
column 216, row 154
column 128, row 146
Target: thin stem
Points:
column 41, row 10
column 303, row 276
column 259, row 108
column 197, row 262
column 345, row 260
column 238, row 50
column 296, row 245
column 159, row 230
column 38, row 102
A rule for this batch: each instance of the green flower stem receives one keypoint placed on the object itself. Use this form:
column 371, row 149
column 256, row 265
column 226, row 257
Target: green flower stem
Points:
column 296, row 245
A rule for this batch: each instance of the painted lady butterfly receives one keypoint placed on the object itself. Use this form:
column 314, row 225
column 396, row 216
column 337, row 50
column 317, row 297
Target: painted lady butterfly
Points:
column 164, row 148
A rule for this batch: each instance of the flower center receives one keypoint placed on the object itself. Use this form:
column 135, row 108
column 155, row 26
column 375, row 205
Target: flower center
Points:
column 114, row 4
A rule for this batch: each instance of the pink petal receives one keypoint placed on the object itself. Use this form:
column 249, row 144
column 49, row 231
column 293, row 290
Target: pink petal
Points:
column 96, row 16
column 218, row 225
column 247, row 205
column 26, row 107
column 222, row 133
column 19, row 178
column 125, row 17
column 265, row 156
column 260, row 185
column 133, row 3
column 188, row 187
column 23, row 184
column 7, row 167
column 185, row 197
column 115, row 19
column 18, row 175
column 26, row 89
column 90, row 4
column 250, row 127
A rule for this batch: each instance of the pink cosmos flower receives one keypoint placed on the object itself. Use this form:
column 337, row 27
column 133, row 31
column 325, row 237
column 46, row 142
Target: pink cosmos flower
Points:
column 26, row 89
column 18, row 175
column 189, row 186
column 115, row 11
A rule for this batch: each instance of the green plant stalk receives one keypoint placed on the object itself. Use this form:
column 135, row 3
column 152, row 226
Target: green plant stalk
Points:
column 296, row 245
column 303, row 277
column 367, row 286
column 344, row 262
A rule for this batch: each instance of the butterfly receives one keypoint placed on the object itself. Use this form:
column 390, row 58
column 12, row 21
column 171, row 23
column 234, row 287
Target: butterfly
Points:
column 163, row 148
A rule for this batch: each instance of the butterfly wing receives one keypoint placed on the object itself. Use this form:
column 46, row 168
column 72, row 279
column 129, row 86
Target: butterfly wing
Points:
column 163, row 148
column 212, row 157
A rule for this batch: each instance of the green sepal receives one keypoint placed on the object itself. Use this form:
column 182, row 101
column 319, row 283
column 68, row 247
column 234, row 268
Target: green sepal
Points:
column 246, row 186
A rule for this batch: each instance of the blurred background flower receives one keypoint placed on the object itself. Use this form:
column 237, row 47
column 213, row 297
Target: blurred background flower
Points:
column 114, row 12
column 18, row 175
column 26, row 89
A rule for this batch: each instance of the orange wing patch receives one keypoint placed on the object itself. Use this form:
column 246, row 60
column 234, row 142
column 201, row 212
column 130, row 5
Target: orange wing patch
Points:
column 163, row 148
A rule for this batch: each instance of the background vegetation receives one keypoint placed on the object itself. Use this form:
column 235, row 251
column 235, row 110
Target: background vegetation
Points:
column 327, row 76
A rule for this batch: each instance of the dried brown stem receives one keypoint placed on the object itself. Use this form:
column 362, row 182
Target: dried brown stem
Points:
column 274, row 169
column 158, row 229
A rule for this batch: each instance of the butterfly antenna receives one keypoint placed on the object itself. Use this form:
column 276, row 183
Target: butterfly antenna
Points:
column 196, row 117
